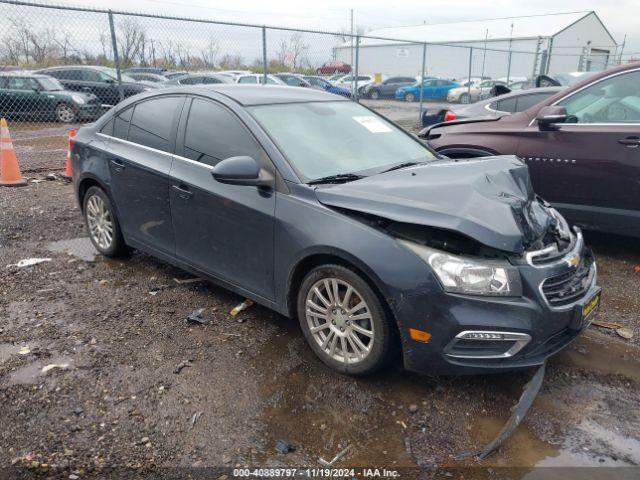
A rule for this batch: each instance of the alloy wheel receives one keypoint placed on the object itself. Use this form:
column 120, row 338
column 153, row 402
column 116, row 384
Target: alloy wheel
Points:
column 100, row 222
column 339, row 320
column 410, row 97
column 65, row 113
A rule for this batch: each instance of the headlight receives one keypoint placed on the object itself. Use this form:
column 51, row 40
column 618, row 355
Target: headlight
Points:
column 470, row 276
column 78, row 99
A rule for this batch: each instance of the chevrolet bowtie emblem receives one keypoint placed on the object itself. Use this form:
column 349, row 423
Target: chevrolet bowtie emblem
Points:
column 574, row 261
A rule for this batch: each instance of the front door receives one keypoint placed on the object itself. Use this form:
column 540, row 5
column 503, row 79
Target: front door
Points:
column 224, row 230
column 141, row 149
column 590, row 165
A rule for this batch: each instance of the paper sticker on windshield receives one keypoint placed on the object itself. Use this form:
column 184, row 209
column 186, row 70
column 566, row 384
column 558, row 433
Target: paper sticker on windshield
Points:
column 373, row 124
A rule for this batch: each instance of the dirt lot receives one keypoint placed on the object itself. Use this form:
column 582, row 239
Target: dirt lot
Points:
column 143, row 390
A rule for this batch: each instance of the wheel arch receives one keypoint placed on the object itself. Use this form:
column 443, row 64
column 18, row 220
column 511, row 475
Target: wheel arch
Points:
column 85, row 183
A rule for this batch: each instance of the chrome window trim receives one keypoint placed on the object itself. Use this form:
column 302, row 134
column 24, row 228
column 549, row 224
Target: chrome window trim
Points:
column 155, row 150
column 569, row 95
column 521, row 340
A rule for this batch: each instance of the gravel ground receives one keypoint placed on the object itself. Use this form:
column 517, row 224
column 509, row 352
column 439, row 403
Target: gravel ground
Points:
column 145, row 391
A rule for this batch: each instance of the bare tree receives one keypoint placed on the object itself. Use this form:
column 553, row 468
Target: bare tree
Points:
column 130, row 39
column 292, row 51
column 209, row 54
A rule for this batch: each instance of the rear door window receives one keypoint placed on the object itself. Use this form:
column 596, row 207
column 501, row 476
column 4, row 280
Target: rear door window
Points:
column 152, row 122
column 528, row 101
column 507, row 105
column 121, row 124
column 213, row 134
column 248, row 79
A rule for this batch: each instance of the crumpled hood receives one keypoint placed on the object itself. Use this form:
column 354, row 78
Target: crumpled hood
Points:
column 489, row 199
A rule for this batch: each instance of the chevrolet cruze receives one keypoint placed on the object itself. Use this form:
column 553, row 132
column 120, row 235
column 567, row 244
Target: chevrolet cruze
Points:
column 321, row 209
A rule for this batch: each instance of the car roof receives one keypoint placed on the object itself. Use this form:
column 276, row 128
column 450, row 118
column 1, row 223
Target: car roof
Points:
column 23, row 73
column 271, row 94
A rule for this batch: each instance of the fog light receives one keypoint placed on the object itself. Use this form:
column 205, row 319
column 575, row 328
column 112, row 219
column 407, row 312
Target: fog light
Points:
column 486, row 344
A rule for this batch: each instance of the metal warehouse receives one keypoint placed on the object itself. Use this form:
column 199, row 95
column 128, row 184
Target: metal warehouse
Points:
column 501, row 47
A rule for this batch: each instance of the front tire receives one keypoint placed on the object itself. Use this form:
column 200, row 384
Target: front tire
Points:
column 410, row 97
column 65, row 113
column 464, row 98
column 102, row 223
column 374, row 94
column 343, row 320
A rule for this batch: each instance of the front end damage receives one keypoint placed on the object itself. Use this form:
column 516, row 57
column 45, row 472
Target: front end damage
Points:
column 514, row 283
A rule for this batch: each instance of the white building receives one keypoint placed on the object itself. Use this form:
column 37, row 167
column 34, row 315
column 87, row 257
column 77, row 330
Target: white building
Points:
column 518, row 47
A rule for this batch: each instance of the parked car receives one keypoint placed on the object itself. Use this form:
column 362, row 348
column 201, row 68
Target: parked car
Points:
column 433, row 89
column 581, row 146
column 375, row 244
column 100, row 81
column 200, row 79
column 153, row 70
column 474, row 92
column 490, row 108
column 334, row 78
column 293, row 80
column 333, row 67
column 322, row 84
column 147, row 77
column 175, row 74
column 234, row 73
column 258, row 78
column 562, row 79
column 387, row 88
column 28, row 96
column 349, row 81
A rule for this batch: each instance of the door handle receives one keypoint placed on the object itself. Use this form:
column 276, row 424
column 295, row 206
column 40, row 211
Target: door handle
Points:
column 118, row 165
column 183, row 191
column 631, row 142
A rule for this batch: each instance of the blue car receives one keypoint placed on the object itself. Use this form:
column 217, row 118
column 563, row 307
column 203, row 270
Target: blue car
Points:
column 321, row 83
column 432, row 89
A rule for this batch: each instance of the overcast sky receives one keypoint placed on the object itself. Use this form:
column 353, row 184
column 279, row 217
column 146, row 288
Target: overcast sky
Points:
column 620, row 16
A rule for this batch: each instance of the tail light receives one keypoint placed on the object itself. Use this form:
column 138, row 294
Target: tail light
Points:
column 449, row 115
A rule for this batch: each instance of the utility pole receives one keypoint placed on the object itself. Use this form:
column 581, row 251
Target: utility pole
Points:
column 484, row 55
column 509, row 59
column 352, row 79
column 622, row 48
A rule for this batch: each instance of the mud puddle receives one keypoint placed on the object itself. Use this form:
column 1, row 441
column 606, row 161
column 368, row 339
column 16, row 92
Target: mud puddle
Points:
column 81, row 248
column 32, row 373
column 596, row 352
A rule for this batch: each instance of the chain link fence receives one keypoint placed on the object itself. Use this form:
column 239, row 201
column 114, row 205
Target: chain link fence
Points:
column 47, row 87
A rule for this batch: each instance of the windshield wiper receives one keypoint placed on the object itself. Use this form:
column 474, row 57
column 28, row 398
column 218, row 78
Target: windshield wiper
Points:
column 338, row 178
column 402, row 165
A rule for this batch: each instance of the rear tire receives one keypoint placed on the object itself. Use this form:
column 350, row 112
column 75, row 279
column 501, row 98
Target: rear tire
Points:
column 464, row 98
column 344, row 321
column 410, row 97
column 374, row 94
column 102, row 223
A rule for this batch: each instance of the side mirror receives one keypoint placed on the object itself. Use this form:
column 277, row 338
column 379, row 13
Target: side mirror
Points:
column 550, row 115
column 241, row 171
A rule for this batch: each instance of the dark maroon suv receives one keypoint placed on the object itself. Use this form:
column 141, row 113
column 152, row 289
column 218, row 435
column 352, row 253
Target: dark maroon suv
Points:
column 581, row 146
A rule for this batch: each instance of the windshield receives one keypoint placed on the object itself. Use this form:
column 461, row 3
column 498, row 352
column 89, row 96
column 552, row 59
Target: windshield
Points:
column 321, row 139
column 50, row 84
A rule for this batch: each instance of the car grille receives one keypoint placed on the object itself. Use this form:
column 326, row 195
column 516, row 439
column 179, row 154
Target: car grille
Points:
column 570, row 286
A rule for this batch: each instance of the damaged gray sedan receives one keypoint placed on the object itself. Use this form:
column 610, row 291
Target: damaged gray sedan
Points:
column 323, row 210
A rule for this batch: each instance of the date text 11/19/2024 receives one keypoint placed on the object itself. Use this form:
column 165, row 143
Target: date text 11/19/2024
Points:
column 316, row 473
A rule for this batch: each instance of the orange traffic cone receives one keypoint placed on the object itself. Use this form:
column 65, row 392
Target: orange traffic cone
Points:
column 10, row 175
column 68, row 172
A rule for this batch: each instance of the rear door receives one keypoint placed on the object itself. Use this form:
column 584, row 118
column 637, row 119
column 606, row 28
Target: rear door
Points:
column 590, row 165
column 224, row 230
column 141, row 149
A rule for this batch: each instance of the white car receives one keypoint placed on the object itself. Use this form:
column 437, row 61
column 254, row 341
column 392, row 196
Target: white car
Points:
column 348, row 81
column 474, row 93
column 256, row 78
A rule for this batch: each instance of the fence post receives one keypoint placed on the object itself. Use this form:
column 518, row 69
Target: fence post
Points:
column 424, row 61
column 265, row 66
column 355, row 81
column 470, row 68
column 509, row 66
column 116, row 57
